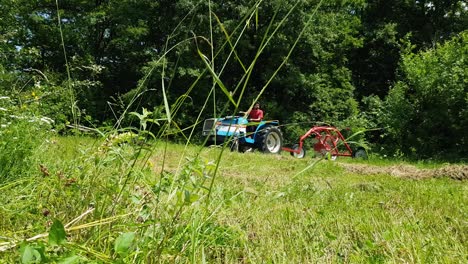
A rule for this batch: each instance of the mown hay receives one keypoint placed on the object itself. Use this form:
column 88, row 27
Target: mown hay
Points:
column 456, row 172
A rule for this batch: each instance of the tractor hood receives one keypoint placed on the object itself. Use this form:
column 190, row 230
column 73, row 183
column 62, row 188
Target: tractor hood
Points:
column 232, row 120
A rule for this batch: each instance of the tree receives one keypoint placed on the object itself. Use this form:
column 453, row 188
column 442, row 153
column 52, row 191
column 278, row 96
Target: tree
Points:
column 424, row 22
column 427, row 109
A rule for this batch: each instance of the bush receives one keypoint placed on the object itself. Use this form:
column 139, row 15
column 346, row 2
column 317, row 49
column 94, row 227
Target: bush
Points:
column 426, row 111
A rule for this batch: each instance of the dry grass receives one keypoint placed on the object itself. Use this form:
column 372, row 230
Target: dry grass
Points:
column 456, row 172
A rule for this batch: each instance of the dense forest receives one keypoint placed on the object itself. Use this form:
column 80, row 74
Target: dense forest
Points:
column 397, row 69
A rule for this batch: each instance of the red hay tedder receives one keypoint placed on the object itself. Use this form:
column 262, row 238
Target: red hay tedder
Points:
column 327, row 140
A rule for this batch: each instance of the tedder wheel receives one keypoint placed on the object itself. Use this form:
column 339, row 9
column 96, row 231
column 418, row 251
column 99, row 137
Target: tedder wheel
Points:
column 271, row 140
column 360, row 154
column 301, row 153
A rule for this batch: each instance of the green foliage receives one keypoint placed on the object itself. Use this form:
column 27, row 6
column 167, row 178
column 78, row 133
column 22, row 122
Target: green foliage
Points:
column 57, row 234
column 426, row 111
column 124, row 243
column 384, row 23
column 21, row 134
column 32, row 254
column 144, row 118
column 317, row 83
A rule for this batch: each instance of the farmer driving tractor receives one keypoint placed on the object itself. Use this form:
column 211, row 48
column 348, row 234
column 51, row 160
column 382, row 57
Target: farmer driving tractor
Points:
column 246, row 132
column 254, row 115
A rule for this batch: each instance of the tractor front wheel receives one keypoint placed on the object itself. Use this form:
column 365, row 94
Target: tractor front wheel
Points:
column 271, row 140
column 235, row 145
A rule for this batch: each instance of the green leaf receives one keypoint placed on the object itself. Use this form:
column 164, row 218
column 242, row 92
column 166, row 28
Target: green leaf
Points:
column 57, row 234
column 30, row 255
column 123, row 243
column 140, row 117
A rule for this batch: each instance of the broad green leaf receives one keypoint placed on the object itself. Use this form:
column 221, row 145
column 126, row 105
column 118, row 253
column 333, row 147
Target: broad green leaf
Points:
column 57, row 234
column 30, row 255
column 123, row 243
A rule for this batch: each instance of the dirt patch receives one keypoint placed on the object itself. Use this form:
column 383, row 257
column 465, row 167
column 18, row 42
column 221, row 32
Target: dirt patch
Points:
column 456, row 172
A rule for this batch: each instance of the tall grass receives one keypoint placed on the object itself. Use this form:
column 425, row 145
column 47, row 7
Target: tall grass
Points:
column 257, row 212
column 20, row 135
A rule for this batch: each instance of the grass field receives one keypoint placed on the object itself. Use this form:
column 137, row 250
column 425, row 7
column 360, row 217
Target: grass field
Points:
column 83, row 202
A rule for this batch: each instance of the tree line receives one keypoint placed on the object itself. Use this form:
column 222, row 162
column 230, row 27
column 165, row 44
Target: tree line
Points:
column 396, row 68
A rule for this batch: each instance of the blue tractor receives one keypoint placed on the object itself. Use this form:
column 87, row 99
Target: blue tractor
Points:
column 242, row 135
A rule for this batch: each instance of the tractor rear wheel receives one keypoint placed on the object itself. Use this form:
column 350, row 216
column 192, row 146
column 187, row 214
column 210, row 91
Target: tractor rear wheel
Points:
column 301, row 153
column 271, row 140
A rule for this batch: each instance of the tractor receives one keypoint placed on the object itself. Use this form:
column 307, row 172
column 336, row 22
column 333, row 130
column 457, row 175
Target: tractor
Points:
column 242, row 135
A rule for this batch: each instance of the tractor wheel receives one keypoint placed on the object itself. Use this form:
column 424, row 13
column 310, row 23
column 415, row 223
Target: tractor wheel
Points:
column 271, row 140
column 360, row 154
column 235, row 145
column 299, row 155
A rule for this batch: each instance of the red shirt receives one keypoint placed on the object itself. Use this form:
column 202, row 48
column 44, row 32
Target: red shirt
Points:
column 256, row 114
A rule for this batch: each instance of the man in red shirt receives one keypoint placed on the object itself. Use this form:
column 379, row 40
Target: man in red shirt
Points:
column 256, row 114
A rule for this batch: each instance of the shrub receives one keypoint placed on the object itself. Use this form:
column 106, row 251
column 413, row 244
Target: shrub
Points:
column 426, row 111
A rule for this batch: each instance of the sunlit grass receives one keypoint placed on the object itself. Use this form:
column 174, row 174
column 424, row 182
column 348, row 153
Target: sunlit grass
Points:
column 258, row 212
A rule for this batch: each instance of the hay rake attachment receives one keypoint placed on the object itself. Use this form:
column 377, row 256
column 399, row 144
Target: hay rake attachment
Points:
column 328, row 140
